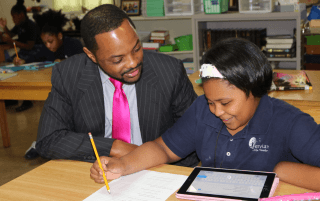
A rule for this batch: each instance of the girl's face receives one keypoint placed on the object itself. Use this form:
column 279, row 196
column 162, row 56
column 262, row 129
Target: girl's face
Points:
column 52, row 41
column 230, row 104
column 18, row 18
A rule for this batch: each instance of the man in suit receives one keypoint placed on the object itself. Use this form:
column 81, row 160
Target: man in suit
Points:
column 156, row 85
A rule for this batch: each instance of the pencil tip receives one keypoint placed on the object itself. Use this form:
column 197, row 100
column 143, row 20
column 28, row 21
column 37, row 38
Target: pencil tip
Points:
column 109, row 191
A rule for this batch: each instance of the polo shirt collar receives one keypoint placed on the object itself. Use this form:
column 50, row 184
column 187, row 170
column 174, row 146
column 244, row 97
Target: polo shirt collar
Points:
column 259, row 124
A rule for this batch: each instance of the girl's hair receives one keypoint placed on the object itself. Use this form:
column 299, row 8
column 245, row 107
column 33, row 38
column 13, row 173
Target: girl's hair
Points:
column 50, row 21
column 242, row 64
column 19, row 8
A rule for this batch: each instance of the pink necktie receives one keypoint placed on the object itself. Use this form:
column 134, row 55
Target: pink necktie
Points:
column 121, row 128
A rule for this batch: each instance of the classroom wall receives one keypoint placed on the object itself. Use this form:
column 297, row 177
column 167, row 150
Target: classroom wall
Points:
column 6, row 5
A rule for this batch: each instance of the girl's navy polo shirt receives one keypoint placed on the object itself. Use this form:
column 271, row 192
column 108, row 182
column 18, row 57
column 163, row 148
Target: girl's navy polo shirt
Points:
column 277, row 132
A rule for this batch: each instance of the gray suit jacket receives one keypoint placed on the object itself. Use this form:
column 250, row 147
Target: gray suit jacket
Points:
column 75, row 106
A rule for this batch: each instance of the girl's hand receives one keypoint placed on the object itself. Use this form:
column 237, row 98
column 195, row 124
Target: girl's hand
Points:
column 18, row 61
column 6, row 38
column 112, row 167
column 3, row 22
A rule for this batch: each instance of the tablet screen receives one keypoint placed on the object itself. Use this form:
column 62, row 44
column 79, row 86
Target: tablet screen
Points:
column 228, row 184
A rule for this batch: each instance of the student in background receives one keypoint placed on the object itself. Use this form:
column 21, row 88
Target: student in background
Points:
column 56, row 48
column 28, row 40
column 235, row 125
column 26, row 29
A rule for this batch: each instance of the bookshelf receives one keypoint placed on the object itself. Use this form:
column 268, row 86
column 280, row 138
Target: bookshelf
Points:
column 177, row 26
column 277, row 23
column 281, row 23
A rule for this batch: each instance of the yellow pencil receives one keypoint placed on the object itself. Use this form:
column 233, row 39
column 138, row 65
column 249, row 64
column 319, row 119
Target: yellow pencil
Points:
column 15, row 49
column 98, row 159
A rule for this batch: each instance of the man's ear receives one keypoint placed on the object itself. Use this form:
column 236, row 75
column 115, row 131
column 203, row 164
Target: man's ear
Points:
column 90, row 54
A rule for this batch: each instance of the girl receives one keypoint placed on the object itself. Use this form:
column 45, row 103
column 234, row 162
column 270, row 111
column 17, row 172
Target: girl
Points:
column 235, row 125
column 56, row 46
column 27, row 31
column 28, row 41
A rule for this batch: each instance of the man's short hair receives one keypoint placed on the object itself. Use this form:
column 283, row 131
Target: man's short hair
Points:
column 99, row 20
column 243, row 64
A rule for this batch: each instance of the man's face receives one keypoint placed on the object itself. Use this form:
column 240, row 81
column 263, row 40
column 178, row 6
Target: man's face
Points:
column 120, row 53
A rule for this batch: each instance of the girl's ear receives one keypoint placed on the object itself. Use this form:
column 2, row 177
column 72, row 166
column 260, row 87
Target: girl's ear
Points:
column 60, row 36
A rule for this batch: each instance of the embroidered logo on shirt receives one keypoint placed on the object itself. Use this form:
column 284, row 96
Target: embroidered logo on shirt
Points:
column 257, row 145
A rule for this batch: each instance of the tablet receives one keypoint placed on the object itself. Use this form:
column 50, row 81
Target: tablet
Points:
column 228, row 184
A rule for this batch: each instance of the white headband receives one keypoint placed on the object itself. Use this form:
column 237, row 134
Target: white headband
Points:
column 208, row 70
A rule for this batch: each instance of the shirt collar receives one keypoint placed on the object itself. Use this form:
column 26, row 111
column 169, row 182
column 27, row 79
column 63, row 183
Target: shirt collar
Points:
column 103, row 75
column 259, row 124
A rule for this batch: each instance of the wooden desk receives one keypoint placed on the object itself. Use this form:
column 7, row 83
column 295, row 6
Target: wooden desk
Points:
column 27, row 85
column 306, row 100
column 70, row 180
column 35, row 85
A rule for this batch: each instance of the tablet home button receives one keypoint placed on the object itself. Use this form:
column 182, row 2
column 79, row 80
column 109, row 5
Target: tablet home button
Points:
column 228, row 153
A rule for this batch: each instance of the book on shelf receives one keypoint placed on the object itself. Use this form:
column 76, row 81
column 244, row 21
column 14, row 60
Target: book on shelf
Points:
column 161, row 33
column 280, row 54
column 161, row 40
column 284, row 81
column 279, row 50
column 280, row 39
column 211, row 36
column 159, row 37
column 149, row 45
column 279, row 45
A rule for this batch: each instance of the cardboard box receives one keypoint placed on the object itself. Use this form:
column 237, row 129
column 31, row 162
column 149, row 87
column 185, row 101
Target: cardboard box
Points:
column 314, row 23
column 308, row 2
column 315, row 30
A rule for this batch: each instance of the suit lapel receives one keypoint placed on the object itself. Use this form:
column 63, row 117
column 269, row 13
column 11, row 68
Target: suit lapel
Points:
column 147, row 97
column 91, row 104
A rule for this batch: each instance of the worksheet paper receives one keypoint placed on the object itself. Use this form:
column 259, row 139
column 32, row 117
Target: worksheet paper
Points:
column 143, row 186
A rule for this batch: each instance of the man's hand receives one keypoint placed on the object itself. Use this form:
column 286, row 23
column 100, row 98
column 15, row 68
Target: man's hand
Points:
column 113, row 168
column 18, row 61
column 3, row 22
column 120, row 148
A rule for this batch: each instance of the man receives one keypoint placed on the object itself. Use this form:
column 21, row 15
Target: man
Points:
column 157, row 88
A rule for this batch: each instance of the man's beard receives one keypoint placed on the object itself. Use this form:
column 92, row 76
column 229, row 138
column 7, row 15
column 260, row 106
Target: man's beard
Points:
column 127, row 71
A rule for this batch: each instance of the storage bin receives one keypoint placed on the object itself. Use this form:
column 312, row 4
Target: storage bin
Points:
column 256, row 6
column 182, row 7
column 311, row 66
column 313, row 40
column 184, row 43
column 155, row 8
column 312, row 58
column 168, row 48
column 313, row 49
column 215, row 6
